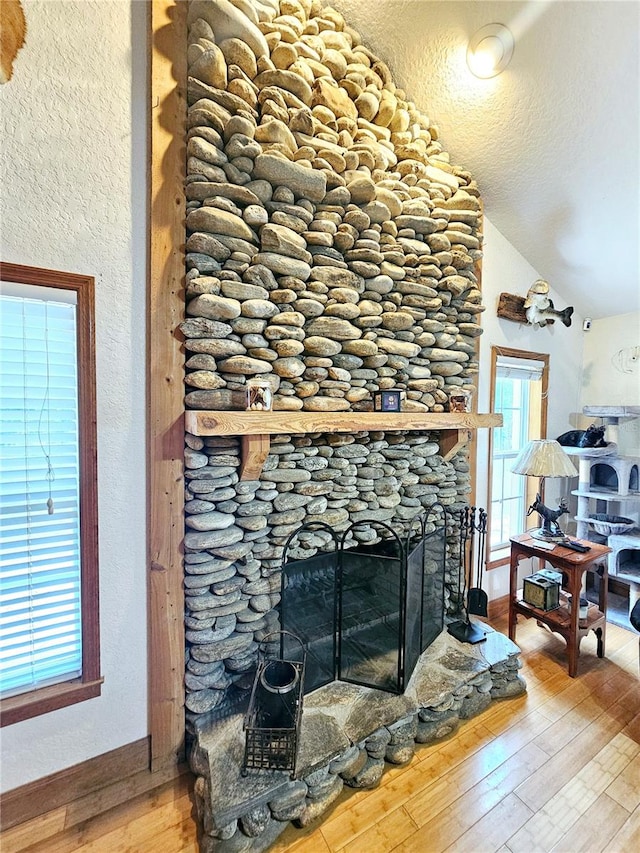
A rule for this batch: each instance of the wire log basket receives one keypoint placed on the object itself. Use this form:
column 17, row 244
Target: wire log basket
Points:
column 272, row 721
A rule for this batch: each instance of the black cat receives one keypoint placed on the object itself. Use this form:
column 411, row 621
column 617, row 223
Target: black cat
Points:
column 593, row 436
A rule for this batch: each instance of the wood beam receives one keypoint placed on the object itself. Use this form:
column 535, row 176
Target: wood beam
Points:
column 254, row 428
column 201, row 422
column 165, row 372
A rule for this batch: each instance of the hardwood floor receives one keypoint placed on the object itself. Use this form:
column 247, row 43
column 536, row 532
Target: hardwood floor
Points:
column 557, row 769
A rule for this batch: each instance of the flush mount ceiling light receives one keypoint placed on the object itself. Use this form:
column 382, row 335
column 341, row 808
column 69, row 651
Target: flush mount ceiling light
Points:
column 490, row 50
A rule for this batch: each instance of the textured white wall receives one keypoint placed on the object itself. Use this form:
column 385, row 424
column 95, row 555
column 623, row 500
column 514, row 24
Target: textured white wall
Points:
column 73, row 124
column 612, row 362
column 612, row 372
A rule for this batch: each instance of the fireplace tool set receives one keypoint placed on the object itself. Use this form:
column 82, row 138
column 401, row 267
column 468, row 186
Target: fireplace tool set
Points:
column 473, row 535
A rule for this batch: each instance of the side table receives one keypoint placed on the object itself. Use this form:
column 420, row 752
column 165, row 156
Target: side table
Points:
column 565, row 620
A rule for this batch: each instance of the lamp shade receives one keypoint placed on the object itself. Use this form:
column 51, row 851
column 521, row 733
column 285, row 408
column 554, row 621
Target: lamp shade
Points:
column 544, row 458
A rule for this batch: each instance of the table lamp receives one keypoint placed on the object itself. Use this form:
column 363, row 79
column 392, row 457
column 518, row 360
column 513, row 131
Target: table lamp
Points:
column 545, row 458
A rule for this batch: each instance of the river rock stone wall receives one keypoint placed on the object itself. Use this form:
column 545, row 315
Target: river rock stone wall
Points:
column 331, row 244
column 331, row 250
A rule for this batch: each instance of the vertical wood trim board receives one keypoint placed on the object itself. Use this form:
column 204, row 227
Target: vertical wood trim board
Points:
column 165, row 374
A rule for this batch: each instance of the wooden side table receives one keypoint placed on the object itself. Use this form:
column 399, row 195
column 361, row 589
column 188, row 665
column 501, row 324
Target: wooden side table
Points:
column 566, row 619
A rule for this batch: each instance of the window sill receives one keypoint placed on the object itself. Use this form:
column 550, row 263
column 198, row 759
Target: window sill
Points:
column 498, row 558
column 37, row 702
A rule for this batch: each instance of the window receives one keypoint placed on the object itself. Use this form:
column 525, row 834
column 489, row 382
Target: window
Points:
column 519, row 383
column 49, row 627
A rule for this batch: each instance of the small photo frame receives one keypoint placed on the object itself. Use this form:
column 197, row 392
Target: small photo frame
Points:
column 387, row 401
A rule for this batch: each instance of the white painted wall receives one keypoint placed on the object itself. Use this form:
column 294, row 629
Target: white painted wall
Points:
column 611, row 375
column 505, row 270
column 73, row 125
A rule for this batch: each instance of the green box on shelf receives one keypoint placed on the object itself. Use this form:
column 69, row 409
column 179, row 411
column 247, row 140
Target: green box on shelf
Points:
column 540, row 592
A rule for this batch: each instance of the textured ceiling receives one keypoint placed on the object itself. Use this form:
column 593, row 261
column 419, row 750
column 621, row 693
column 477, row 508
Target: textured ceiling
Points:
column 553, row 141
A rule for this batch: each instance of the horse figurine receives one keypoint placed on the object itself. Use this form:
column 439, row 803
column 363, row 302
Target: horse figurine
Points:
column 550, row 526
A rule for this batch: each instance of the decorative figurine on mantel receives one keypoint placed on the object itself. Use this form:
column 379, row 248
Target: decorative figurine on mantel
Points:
column 259, row 395
column 460, row 401
column 387, row 401
column 536, row 310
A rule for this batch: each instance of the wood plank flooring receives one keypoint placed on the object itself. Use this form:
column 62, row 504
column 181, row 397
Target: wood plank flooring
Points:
column 557, row 769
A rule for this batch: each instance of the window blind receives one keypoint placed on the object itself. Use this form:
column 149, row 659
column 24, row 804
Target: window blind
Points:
column 525, row 369
column 40, row 614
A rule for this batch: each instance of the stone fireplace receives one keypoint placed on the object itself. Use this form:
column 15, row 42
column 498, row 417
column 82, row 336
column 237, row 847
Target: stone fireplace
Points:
column 332, row 251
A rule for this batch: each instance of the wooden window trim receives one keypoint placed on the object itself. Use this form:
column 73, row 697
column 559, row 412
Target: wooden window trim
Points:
column 496, row 562
column 36, row 702
column 496, row 352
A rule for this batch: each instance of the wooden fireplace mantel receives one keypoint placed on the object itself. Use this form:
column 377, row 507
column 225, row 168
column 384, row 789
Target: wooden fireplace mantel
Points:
column 254, row 428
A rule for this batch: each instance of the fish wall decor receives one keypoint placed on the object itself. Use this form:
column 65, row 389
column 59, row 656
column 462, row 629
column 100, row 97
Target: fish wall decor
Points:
column 537, row 309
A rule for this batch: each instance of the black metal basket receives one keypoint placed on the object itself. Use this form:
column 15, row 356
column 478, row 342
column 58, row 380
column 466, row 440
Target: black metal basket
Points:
column 272, row 721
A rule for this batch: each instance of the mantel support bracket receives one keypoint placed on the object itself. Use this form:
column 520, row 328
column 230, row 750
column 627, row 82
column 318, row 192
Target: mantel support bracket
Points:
column 453, row 440
column 255, row 449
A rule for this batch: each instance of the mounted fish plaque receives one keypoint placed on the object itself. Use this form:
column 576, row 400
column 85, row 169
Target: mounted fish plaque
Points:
column 537, row 309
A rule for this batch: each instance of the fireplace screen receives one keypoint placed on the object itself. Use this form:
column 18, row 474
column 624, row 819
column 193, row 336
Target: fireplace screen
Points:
column 365, row 614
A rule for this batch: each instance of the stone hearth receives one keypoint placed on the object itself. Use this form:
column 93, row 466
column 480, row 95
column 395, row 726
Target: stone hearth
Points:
column 349, row 734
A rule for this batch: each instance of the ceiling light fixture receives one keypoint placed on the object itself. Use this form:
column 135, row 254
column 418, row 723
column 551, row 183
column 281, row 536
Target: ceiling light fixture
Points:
column 490, row 50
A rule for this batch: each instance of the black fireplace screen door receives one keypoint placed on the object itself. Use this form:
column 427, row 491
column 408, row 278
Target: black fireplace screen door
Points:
column 309, row 607
column 366, row 614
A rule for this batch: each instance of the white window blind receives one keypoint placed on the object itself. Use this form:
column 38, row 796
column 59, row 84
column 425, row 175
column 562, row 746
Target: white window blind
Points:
column 524, row 369
column 40, row 614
